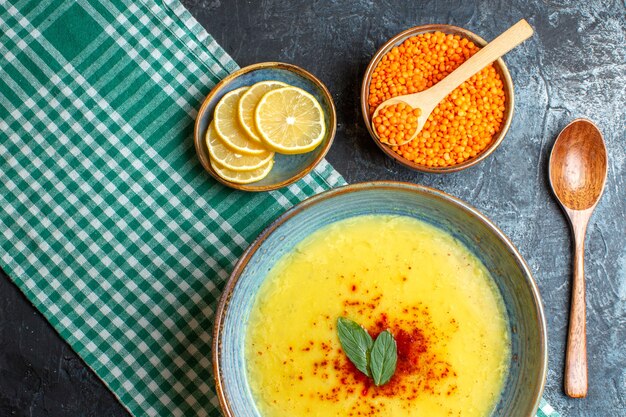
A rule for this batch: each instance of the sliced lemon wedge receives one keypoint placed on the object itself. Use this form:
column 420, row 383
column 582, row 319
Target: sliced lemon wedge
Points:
column 290, row 120
column 228, row 127
column 242, row 177
column 248, row 102
column 221, row 154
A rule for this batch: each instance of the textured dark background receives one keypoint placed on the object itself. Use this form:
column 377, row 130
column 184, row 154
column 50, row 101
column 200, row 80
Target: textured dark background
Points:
column 574, row 66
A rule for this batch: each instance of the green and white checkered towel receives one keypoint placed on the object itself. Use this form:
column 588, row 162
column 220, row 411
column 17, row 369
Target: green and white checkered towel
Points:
column 108, row 223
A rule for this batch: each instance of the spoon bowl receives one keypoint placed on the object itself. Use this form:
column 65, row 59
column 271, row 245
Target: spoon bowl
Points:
column 577, row 170
column 578, row 165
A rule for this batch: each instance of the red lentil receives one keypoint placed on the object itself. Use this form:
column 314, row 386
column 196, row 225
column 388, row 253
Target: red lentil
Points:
column 463, row 124
column 396, row 123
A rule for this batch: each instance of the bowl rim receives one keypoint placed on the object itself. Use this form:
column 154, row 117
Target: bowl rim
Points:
column 199, row 140
column 352, row 188
column 448, row 29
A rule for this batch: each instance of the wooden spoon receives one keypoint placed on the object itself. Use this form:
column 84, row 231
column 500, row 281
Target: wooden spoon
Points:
column 578, row 168
column 428, row 99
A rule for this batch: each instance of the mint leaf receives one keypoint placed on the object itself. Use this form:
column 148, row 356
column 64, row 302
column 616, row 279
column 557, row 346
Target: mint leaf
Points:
column 383, row 358
column 356, row 343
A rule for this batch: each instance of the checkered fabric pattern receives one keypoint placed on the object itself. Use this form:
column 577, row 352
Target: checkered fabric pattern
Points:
column 108, row 223
column 546, row 410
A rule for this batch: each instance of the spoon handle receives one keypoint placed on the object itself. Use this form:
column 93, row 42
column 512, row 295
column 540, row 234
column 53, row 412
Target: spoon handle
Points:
column 508, row 40
column 576, row 354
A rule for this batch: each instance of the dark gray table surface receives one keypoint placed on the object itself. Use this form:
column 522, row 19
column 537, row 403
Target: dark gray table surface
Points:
column 574, row 66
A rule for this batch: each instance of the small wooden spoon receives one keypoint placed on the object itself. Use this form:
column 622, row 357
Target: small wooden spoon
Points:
column 578, row 168
column 428, row 99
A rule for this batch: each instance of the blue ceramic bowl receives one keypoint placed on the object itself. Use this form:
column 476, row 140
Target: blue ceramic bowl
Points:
column 287, row 168
column 527, row 373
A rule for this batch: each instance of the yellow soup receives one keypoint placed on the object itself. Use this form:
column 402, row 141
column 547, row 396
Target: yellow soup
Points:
column 384, row 272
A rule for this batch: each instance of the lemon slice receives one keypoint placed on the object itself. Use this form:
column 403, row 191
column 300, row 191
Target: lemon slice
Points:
column 228, row 127
column 290, row 120
column 243, row 177
column 248, row 102
column 221, row 154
